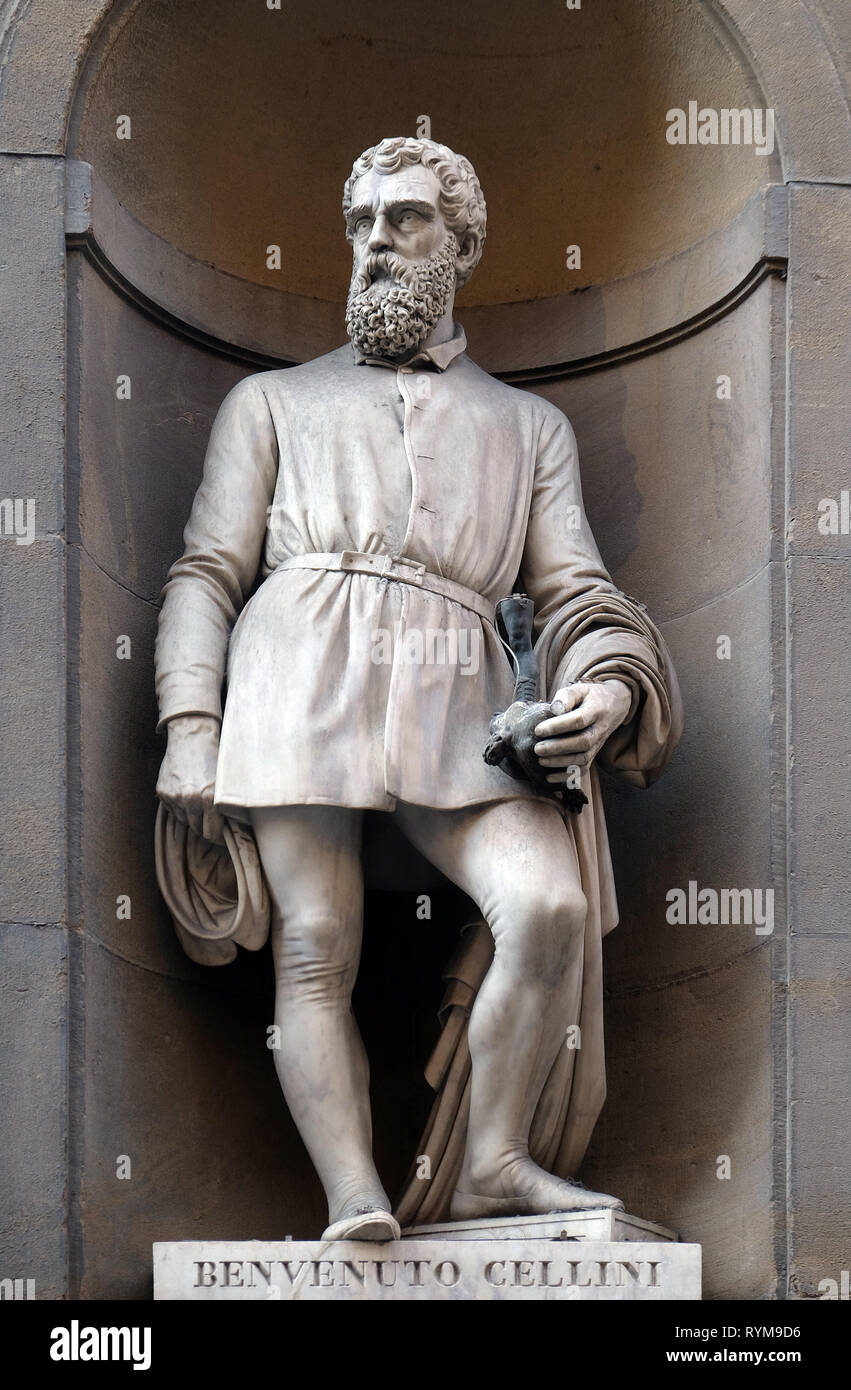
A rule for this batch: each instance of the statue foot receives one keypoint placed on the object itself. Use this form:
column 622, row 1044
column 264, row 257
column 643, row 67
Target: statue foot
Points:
column 375, row 1225
column 366, row 1222
column 533, row 1192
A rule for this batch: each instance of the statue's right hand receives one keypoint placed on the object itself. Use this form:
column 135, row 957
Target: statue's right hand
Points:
column 187, row 779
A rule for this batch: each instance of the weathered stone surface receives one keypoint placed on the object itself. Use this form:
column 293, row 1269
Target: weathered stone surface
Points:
column 820, row 1036
column 41, row 49
column 802, row 77
column 33, row 1101
column 704, row 1041
column 32, row 311
column 818, row 1020
column 423, row 1271
column 694, row 830
column 179, row 1080
column 120, row 755
column 32, row 697
column 32, row 671
column 140, row 458
column 820, row 734
column 659, row 299
column 677, row 482
column 819, row 365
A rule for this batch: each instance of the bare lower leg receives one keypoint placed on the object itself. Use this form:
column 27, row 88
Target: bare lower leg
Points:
column 311, row 859
column 517, row 1025
column 324, row 1075
column 518, row 862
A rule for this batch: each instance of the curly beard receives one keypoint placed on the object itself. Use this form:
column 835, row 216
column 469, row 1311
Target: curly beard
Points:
column 393, row 317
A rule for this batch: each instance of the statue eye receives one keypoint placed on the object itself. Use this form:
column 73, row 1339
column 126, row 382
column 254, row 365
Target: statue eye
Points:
column 362, row 225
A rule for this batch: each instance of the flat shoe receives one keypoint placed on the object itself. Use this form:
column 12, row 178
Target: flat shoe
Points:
column 369, row 1225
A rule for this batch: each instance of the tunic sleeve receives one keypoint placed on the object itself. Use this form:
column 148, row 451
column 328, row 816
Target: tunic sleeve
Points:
column 206, row 588
column 586, row 629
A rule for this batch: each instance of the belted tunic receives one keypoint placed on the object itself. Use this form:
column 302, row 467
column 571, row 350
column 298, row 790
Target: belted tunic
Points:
column 354, row 528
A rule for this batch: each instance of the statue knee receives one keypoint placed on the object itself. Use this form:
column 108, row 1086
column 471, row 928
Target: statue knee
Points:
column 541, row 926
column 573, row 910
column 317, row 955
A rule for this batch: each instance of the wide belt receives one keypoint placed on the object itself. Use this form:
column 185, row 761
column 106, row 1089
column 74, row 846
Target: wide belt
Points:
column 397, row 568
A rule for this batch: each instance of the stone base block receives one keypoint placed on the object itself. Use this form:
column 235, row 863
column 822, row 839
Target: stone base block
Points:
column 602, row 1223
column 423, row 1270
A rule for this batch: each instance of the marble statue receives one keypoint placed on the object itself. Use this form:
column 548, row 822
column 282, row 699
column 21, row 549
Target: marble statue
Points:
column 358, row 520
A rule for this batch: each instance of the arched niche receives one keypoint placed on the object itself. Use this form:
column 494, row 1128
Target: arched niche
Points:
column 239, row 127
column 562, row 112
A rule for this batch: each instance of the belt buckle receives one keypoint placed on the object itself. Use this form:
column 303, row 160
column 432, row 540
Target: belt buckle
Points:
column 394, row 562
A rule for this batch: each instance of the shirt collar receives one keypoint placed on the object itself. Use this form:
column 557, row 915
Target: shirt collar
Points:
column 440, row 356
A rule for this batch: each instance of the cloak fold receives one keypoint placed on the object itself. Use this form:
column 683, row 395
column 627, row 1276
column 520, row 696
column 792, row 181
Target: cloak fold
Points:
column 216, row 894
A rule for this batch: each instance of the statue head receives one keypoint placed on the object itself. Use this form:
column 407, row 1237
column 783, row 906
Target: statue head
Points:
column 415, row 218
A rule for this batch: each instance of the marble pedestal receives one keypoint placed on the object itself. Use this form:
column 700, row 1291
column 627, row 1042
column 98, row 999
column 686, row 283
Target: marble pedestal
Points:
column 600, row 1224
column 599, row 1255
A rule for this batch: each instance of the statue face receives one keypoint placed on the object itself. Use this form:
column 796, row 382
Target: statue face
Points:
column 403, row 276
column 397, row 212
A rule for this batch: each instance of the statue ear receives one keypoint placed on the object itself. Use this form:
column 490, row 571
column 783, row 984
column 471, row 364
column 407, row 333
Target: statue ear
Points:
column 468, row 254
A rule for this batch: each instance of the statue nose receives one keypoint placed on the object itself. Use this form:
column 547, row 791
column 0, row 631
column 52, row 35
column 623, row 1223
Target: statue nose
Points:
column 380, row 238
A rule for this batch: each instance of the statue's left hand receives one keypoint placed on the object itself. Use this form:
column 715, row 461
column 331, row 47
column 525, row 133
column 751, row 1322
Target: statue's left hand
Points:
column 592, row 711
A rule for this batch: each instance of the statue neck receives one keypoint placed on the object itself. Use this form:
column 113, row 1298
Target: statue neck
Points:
column 443, row 330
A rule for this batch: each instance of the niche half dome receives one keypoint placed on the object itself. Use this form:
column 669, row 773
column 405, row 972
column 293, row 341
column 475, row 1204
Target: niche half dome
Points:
column 245, row 122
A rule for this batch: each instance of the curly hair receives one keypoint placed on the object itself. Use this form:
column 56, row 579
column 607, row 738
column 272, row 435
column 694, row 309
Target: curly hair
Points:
column 461, row 202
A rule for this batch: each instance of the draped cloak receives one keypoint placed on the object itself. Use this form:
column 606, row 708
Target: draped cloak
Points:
column 324, row 698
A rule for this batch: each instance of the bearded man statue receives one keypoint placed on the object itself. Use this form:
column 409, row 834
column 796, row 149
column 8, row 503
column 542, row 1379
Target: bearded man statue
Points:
column 393, row 486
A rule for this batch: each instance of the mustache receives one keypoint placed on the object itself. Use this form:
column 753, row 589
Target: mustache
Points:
column 396, row 267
